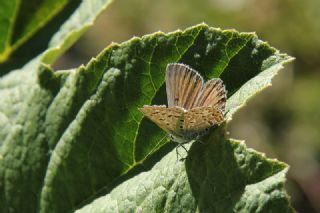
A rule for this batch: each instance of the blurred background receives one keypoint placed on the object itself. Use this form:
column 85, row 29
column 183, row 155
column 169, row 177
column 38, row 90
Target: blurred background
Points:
column 284, row 120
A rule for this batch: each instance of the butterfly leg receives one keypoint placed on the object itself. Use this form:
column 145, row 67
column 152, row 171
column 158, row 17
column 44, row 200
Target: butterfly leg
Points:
column 177, row 152
column 184, row 148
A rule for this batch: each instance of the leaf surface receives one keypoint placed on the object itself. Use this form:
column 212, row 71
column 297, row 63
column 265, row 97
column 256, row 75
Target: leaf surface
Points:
column 26, row 94
column 220, row 176
column 79, row 134
column 21, row 20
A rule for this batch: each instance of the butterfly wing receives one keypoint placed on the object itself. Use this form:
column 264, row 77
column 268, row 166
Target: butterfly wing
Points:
column 183, row 85
column 213, row 94
column 193, row 106
column 201, row 118
column 167, row 119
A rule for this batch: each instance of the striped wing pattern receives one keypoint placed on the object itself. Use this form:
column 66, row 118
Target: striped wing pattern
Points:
column 213, row 93
column 183, row 86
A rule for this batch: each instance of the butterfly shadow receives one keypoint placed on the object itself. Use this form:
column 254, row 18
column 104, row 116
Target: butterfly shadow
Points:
column 213, row 173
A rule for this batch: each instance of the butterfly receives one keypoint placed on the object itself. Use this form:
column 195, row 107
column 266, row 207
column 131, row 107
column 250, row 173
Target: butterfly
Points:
column 193, row 106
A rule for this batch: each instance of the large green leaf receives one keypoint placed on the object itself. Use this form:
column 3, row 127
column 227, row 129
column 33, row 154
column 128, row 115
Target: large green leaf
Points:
column 78, row 132
column 220, row 176
column 15, row 87
column 25, row 152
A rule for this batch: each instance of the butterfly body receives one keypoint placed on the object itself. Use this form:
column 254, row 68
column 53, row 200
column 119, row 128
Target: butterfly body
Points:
column 183, row 139
column 193, row 107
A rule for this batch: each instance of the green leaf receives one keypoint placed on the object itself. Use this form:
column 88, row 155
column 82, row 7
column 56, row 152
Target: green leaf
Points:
column 108, row 137
column 78, row 132
column 30, row 28
column 22, row 19
column 220, row 176
column 25, row 152
column 16, row 86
